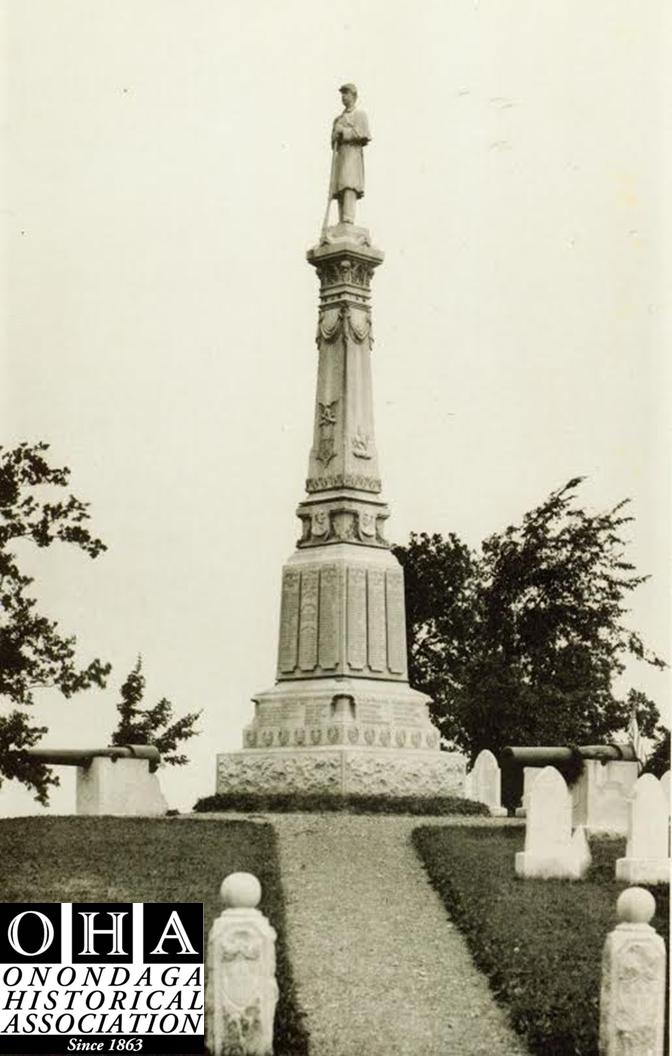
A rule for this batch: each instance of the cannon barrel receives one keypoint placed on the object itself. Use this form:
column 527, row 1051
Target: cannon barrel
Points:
column 552, row 755
column 84, row 756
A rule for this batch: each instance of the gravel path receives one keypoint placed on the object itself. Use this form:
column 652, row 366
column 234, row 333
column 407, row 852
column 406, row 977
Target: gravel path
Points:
column 380, row 969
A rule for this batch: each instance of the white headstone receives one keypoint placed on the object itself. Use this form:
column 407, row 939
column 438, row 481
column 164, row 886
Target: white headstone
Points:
column 484, row 782
column 548, row 833
column 601, row 794
column 632, row 997
column 530, row 775
column 647, row 853
column 241, row 989
column 581, row 851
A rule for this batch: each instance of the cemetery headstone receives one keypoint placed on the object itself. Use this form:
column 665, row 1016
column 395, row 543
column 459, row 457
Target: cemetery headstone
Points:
column 647, row 853
column 549, row 852
column 483, row 783
column 632, row 997
column 530, row 774
column 581, row 851
column 241, row 988
column 601, row 794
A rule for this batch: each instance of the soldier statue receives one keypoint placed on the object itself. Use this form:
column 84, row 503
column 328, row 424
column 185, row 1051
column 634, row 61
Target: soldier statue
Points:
column 349, row 134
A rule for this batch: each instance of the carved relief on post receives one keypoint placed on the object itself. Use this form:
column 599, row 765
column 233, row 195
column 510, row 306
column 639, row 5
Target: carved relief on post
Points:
column 354, row 481
column 342, row 521
column 346, row 271
column 344, row 322
column 326, row 425
column 361, row 445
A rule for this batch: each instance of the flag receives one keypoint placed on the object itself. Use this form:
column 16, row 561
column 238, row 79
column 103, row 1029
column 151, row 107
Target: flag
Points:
column 635, row 738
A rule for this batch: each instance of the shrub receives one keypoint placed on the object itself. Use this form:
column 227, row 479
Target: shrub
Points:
column 259, row 802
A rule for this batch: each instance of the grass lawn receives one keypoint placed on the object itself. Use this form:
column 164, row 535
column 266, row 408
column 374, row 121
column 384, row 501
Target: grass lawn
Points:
column 539, row 941
column 157, row 860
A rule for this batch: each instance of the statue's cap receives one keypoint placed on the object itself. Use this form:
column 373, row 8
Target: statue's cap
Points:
column 349, row 87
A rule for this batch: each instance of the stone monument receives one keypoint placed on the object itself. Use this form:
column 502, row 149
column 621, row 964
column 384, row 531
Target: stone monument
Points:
column 342, row 717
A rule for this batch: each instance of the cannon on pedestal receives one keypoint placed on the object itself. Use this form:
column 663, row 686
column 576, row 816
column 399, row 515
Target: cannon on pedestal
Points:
column 552, row 756
column 600, row 794
column 118, row 779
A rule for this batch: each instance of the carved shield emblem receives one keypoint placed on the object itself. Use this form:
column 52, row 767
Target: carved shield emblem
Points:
column 416, row 739
column 325, row 450
column 267, row 738
column 241, row 966
column 315, row 736
column 369, row 736
column 299, row 736
column 367, row 523
column 353, row 734
column 283, row 737
column 320, row 523
column 385, row 738
column 400, row 738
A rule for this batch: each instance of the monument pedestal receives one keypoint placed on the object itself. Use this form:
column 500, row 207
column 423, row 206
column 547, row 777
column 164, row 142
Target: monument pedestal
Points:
column 342, row 717
column 342, row 736
column 122, row 787
column 342, row 771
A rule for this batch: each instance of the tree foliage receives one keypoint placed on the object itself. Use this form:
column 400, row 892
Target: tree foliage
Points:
column 659, row 757
column 33, row 653
column 138, row 725
column 522, row 641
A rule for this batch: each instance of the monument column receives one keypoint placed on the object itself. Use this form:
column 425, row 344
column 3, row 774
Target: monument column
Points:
column 342, row 717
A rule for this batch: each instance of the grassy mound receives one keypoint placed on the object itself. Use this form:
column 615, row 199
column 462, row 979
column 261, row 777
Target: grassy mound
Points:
column 289, row 803
column 539, row 941
column 141, row 860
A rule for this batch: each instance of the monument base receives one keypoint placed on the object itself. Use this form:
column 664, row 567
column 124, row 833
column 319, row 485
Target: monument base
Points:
column 643, row 870
column 342, row 736
column 344, row 771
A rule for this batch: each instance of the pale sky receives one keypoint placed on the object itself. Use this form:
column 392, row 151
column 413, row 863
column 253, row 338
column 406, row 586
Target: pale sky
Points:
column 168, row 166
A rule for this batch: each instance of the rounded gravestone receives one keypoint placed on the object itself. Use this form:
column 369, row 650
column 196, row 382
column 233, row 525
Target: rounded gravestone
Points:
column 240, row 891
